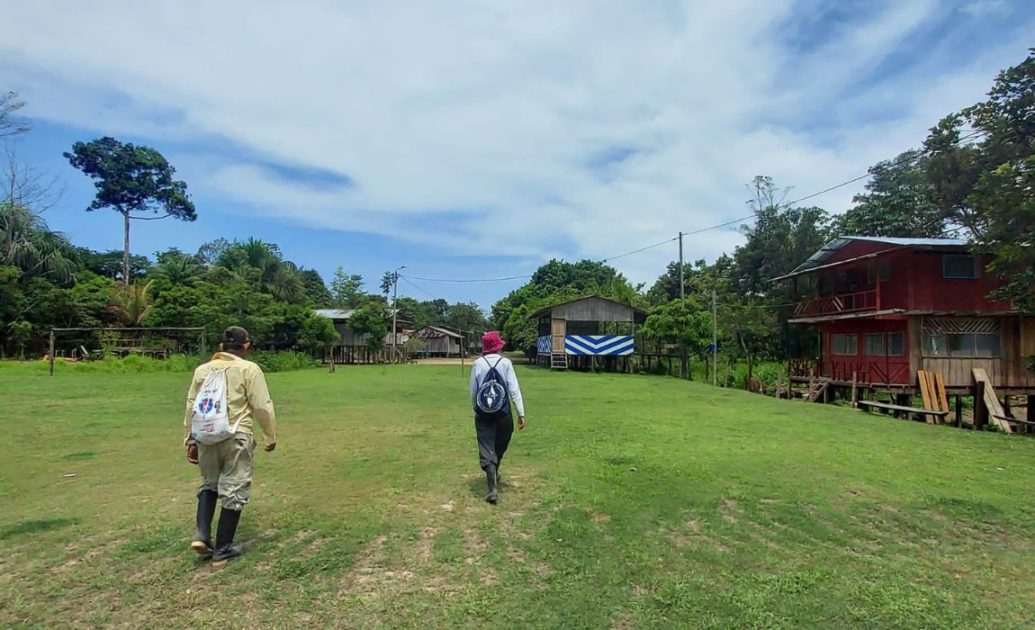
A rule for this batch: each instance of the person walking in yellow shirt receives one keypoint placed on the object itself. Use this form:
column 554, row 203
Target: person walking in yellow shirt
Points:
column 226, row 466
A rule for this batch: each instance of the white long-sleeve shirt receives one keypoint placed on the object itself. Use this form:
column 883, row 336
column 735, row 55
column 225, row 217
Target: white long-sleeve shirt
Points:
column 481, row 367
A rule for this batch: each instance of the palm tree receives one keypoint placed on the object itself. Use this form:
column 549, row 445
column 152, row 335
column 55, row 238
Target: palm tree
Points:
column 258, row 262
column 178, row 268
column 26, row 242
column 131, row 304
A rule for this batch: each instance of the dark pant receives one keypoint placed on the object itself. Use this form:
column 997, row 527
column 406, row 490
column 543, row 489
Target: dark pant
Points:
column 494, row 431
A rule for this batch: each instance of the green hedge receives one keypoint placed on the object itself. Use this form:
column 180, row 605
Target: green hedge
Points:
column 269, row 361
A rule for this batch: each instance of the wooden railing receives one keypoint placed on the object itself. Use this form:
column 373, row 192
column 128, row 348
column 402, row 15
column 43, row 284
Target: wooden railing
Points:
column 803, row 367
column 838, row 303
column 869, row 371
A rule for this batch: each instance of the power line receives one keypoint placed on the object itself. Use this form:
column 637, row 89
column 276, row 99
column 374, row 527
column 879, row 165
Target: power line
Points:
column 415, row 286
column 467, row 280
column 642, row 249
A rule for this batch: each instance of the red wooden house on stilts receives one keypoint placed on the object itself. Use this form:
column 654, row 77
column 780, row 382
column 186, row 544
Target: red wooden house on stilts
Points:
column 888, row 307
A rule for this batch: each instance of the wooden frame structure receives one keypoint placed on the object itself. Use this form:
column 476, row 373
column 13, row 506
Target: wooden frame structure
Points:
column 124, row 349
column 587, row 332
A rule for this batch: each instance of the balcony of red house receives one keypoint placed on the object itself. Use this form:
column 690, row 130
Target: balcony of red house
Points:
column 844, row 290
column 887, row 278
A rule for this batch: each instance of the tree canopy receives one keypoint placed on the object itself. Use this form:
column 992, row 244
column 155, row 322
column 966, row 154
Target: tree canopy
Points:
column 131, row 180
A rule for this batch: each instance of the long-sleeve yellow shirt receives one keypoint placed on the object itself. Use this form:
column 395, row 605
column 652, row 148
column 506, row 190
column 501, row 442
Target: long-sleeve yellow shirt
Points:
column 247, row 397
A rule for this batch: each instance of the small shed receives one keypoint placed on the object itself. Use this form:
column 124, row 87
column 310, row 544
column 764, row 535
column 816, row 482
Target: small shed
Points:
column 573, row 333
column 438, row 342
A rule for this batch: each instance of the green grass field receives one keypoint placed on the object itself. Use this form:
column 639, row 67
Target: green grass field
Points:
column 628, row 502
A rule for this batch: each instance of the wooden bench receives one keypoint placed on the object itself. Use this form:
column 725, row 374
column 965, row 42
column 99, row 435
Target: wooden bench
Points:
column 873, row 404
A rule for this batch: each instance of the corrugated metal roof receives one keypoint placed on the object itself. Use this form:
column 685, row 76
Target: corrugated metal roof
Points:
column 838, row 243
column 547, row 309
column 444, row 331
column 919, row 242
column 333, row 313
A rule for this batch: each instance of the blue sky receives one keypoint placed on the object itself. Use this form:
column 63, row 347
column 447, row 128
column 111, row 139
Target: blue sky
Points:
column 473, row 140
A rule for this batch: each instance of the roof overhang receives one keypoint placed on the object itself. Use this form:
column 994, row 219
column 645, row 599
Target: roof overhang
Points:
column 547, row 309
column 802, row 272
column 814, row 262
column 843, row 316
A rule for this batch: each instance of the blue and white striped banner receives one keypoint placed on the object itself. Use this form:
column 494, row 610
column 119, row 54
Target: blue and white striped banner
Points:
column 543, row 345
column 599, row 345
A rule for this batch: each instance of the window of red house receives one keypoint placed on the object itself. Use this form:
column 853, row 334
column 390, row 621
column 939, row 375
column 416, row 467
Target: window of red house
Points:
column 844, row 344
column 873, row 269
column 962, row 337
column 896, row 344
column 879, row 344
column 959, row 267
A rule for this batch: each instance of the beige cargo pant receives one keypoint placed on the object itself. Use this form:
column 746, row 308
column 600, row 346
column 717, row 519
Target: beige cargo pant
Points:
column 226, row 467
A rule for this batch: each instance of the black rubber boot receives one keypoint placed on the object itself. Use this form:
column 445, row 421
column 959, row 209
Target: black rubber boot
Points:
column 202, row 542
column 490, row 478
column 225, row 547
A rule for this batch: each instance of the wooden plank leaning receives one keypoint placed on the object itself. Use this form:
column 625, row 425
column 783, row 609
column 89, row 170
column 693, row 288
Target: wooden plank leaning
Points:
column 925, row 391
column 995, row 408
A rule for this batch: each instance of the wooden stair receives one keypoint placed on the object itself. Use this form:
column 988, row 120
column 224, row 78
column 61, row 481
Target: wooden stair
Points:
column 558, row 361
column 816, row 389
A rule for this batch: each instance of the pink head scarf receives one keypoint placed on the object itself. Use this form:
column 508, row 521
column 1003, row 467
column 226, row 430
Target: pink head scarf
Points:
column 491, row 342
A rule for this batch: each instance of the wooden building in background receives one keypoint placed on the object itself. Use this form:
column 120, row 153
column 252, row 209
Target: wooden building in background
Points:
column 437, row 341
column 887, row 308
column 577, row 333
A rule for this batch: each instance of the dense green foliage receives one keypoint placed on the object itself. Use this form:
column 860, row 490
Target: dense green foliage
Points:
column 555, row 282
column 975, row 177
column 987, row 185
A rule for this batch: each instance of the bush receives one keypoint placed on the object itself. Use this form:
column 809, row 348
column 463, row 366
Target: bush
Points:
column 269, row 361
column 116, row 365
column 283, row 361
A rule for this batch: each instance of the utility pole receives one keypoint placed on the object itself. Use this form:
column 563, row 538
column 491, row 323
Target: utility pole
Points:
column 715, row 342
column 395, row 311
column 682, row 300
column 682, row 292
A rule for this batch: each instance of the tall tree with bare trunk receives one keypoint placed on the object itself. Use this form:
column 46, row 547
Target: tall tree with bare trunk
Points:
column 134, row 181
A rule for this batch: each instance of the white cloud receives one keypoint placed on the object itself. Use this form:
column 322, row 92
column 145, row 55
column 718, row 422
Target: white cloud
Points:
column 984, row 7
column 481, row 121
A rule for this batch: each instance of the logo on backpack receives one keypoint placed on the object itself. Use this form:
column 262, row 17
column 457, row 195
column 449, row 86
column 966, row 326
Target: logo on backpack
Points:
column 210, row 421
column 492, row 395
column 205, row 405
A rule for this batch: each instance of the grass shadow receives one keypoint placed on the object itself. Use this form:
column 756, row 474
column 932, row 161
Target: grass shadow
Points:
column 35, row 527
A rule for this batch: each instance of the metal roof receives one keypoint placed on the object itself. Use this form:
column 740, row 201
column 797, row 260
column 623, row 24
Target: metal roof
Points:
column 838, row 243
column 444, row 331
column 547, row 309
column 334, row 313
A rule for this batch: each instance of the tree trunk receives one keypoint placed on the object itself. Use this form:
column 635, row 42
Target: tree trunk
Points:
column 125, row 251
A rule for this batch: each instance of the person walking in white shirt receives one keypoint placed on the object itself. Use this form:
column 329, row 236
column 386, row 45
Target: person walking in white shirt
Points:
column 494, row 386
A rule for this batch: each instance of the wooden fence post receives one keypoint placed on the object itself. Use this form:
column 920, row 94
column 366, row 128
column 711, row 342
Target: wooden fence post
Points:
column 980, row 409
